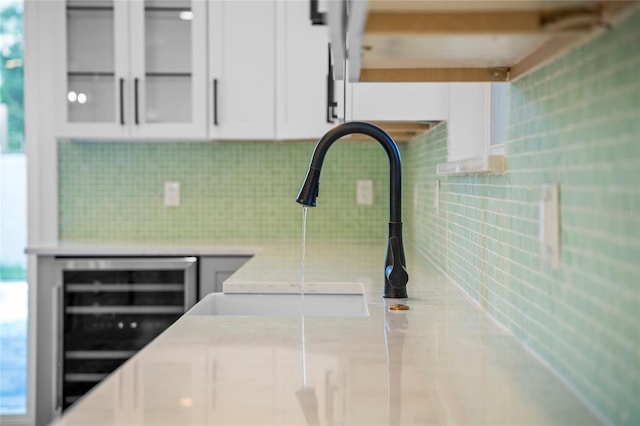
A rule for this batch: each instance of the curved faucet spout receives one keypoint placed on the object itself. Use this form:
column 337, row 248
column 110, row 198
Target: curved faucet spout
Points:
column 396, row 276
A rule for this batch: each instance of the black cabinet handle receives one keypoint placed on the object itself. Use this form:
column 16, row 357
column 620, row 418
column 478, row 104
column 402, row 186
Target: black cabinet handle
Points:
column 331, row 102
column 215, row 101
column 317, row 17
column 122, row 101
column 135, row 100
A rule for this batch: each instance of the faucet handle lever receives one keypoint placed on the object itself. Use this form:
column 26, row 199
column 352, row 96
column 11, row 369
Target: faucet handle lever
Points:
column 395, row 270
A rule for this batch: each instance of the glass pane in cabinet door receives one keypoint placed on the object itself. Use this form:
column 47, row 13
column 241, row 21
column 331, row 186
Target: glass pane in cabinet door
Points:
column 90, row 61
column 91, row 98
column 168, row 99
column 168, row 71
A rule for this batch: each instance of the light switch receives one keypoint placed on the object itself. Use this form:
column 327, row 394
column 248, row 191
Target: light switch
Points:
column 364, row 192
column 436, row 196
column 550, row 224
column 171, row 194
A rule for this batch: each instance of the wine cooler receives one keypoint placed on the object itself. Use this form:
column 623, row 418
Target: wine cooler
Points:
column 111, row 308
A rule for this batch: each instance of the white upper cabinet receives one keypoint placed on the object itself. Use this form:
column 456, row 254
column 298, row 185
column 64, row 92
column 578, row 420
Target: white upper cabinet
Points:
column 398, row 101
column 241, row 84
column 476, row 129
column 168, row 67
column 468, row 127
column 377, row 101
column 268, row 71
column 93, row 69
column 193, row 69
column 305, row 89
column 132, row 69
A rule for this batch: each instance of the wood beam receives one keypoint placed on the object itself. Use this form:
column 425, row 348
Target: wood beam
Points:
column 452, row 23
column 403, row 126
column 442, row 75
column 610, row 13
column 400, row 131
column 576, row 19
column 543, row 55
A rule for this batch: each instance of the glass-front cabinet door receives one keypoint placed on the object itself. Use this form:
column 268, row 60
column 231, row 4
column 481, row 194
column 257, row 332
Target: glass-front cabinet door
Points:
column 168, row 67
column 133, row 68
column 93, row 92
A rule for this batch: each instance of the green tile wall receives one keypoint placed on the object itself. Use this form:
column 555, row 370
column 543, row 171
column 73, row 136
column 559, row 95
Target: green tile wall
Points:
column 575, row 122
column 113, row 192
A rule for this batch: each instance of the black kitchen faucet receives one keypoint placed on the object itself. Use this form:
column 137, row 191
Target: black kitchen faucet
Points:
column 396, row 276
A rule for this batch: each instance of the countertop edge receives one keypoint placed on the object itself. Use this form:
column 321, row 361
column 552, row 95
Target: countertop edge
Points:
column 216, row 250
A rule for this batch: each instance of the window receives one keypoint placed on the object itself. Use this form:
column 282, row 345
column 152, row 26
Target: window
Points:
column 13, row 286
column 476, row 128
column 498, row 105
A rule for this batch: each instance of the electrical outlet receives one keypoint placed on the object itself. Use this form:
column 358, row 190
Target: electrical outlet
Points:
column 436, row 196
column 364, row 192
column 550, row 224
column 171, row 194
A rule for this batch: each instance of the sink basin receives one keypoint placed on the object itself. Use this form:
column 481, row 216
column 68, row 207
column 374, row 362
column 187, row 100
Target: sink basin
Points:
column 282, row 305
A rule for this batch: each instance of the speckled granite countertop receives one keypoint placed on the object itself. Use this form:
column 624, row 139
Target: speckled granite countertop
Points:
column 444, row 361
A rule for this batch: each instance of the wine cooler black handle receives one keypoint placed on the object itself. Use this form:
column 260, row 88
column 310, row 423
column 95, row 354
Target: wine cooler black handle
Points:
column 215, row 101
column 135, row 100
column 122, row 101
column 59, row 300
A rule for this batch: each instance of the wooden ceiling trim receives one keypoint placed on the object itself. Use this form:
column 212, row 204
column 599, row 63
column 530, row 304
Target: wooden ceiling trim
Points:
column 400, row 131
column 452, row 23
column 543, row 55
column 608, row 13
column 441, row 75
column 560, row 25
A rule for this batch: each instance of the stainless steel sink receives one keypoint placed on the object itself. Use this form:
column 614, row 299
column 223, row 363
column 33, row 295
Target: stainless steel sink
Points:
column 282, row 305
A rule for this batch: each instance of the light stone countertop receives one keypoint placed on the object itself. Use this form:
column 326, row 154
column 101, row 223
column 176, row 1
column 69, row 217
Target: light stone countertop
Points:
column 218, row 248
column 444, row 361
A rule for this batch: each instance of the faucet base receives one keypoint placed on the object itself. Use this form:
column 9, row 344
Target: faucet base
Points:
column 396, row 276
column 395, row 293
column 395, row 272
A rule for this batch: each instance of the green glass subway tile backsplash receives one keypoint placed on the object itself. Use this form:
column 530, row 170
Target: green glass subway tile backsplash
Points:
column 113, row 192
column 575, row 122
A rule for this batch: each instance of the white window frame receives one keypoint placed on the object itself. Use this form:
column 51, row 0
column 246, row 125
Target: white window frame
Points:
column 477, row 129
column 498, row 104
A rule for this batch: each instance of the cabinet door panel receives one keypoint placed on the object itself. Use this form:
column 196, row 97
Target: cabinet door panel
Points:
column 399, row 101
column 90, row 39
column 167, row 38
column 241, row 62
column 303, row 61
column 167, row 99
column 168, row 62
column 214, row 271
column 131, row 69
column 90, row 100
